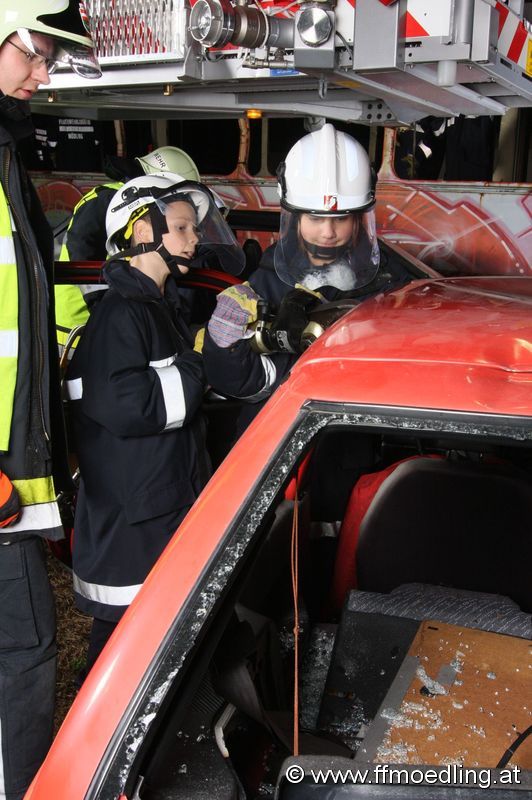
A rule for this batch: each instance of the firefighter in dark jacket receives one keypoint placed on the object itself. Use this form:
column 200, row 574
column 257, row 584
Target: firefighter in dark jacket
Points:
column 34, row 36
column 136, row 387
column 327, row 250
column 85, row 236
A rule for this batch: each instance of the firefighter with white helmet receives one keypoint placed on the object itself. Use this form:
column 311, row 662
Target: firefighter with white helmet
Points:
column 86, row 233
column 85, row 236
column 327, row 250
column 152, row 192
column 327, row 234
column 136, row 387
column 36, row 36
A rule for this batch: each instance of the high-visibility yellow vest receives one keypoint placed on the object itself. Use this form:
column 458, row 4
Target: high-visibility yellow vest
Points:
column 70, row 311
column 37, row 495
column 8, row 321
column 70, row 307
column 40, row 511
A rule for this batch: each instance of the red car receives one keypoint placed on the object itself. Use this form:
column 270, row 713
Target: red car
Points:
column 387, row 485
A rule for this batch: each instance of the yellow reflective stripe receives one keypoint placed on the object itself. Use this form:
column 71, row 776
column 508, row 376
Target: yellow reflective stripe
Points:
column 8, row 380
column 7, row 225
column 35, row 490
column 140, row 212
column 92, row 193
column 199, row 341
column 64, row 255
column 8, row 322
column 8, row 297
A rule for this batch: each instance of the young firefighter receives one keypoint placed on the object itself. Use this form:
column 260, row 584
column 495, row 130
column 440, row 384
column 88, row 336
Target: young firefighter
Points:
column 327, row 250
column 85, row 238
column 136, row 387
column 35, row 35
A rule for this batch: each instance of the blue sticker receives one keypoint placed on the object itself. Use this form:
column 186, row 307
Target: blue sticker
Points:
column 276, row 73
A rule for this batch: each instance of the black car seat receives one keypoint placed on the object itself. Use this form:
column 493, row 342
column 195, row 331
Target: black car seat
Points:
column 435, row 521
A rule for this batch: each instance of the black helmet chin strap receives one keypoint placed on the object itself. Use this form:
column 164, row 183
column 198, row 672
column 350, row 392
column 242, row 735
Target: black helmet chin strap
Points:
column 158, row 222
column 170, row 260
column 137, row 250
column 321, row 251
column 159, row 227
column 173, row 262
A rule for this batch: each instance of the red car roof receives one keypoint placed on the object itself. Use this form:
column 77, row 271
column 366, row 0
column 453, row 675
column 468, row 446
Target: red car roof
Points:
column 457, row 344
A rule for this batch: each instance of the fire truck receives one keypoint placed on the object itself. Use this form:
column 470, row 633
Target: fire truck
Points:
column 383, row 63
column 374, row 61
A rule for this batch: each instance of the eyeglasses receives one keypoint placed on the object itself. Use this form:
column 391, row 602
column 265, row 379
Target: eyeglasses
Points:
column 35, row 60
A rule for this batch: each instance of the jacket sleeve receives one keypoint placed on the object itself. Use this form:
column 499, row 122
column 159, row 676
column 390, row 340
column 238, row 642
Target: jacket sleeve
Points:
column 238, row 371
column 86, row 236
column 123, row 390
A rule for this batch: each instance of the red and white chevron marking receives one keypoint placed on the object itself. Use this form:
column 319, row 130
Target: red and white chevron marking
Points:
column 428, row 18
column 515, row 38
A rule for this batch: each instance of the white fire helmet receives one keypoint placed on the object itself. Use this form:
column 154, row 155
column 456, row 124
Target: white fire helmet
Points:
column 327, row 176
column 153, row 194
column 169, row 159
column 57, row 30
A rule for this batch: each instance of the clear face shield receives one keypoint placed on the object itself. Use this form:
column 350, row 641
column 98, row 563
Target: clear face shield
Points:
column 216, row 247
column 319, row 250
column 57, row 52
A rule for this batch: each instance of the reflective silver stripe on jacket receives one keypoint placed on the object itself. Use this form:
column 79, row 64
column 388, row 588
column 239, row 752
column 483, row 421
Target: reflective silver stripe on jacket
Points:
column 173, row 393
column 74, row 388
column 7, row 249
column 37, row 517
column 88, row 288
column 9, row 343
column 108, row 595
column 270, row 371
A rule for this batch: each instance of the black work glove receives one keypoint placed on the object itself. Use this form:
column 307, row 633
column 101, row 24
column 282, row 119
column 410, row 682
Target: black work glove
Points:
column 292, row 318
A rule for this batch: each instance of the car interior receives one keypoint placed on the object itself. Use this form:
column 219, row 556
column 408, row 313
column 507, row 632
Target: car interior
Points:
column 409, row 554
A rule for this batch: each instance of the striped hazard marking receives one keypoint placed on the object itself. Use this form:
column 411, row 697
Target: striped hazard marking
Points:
column 515, row 39
column 428, row 18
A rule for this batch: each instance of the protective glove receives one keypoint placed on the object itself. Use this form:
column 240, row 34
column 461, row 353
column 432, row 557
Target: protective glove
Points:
column 293, row 317
column 9, row 502
column 236, row 309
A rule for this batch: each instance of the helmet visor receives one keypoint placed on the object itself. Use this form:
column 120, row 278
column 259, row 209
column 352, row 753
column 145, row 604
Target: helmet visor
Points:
column 327, row 250
column 58, row 52
column 217, row 247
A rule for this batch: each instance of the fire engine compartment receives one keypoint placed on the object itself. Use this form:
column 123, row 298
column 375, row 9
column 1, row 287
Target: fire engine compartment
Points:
column 379, row 62
column 366, row 694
